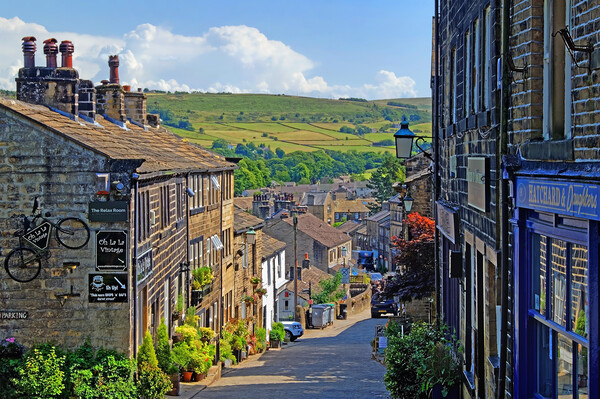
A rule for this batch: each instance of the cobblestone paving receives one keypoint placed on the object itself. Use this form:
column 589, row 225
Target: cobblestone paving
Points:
column 331, row 363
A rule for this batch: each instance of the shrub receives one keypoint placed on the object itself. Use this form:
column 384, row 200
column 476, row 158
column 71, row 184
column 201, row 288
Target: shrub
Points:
column 110, row 377
column 261, row 339
column 41, row 377
column 181, row 356
column 146, row 354
column 277, row 332
column 190, row 316
column 189, row 333
column 152, row 383
column 163, row 348
column 205, row 332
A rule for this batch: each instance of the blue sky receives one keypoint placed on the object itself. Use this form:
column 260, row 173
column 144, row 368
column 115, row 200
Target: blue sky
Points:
column 322, row 48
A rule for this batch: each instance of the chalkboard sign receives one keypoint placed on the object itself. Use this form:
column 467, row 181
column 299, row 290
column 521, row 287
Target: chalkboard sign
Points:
column 111, row 250
column 40, row 236
column 107, row 287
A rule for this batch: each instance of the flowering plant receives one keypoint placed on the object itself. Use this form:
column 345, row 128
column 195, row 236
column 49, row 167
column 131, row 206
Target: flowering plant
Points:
column 9, row 347
column 255, row 280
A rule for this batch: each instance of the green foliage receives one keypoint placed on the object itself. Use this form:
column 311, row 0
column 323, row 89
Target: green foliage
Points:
column 146, row 353
column 179, row 303
column 108, row 376
column 205, row 332
column 330, row 290
column 191, row 319
column 182, row 356
column 152, row 383
column 163, row 348
column 41, row 375
column 382, row 180
column 419, row 360
column 277, row 332
column 225, row 350
column 190, row 333
column 203, row 275
column 261, row 339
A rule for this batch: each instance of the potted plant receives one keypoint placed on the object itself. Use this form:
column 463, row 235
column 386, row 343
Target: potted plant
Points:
column 248, row 299
column 276, row 335
column 260, row 292
column 255, row 281
column 206, row 334
column 182, row 357
column 178, row 312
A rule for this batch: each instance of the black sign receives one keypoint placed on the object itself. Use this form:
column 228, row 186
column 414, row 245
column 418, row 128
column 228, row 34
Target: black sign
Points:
column 108, row 211
column 107, row 287
column 14, row 315
column 40, row 236
column 111, row 250
column 143, row 266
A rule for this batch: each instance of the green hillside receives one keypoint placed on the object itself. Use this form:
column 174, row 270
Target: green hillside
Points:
column 288, row 122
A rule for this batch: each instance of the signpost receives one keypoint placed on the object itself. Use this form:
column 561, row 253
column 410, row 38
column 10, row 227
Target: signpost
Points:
column 111, row 250
column 107, row 287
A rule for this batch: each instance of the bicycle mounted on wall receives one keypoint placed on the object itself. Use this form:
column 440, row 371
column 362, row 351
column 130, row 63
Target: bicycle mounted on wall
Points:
column 24, row 263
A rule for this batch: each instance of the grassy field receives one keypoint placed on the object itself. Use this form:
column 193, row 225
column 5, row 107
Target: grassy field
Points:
column 287, row 122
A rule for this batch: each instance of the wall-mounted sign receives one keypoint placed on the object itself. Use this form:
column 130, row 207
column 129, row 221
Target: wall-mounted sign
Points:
column 111, row 250
column 144, row 264
column 107, row 287
column 566, row 198
column 447, row 222
column 478, row 182
column 14, row 315
column 40, row 236
column 108, row 211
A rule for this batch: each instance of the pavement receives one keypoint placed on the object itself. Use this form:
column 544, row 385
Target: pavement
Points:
column 343, row 356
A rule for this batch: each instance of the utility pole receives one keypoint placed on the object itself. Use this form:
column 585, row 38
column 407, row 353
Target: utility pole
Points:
column 295, row 274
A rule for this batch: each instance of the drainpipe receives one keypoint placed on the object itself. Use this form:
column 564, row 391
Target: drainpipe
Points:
column 436, row 183
column 502, row 149
column 133, row 262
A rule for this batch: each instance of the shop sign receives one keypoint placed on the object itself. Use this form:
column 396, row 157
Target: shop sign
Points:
column 565, row 198
column 111, row 250
column 477, row 182
column 107, row 287
column 19, row 315
column 447, row 222
column 108, row 211
column 144, row 265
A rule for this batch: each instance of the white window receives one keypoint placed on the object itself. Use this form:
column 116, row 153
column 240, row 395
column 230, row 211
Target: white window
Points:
column 453, row 91
column 468, row 56
column 476, row 66
column 195, row 184
column 487, row 58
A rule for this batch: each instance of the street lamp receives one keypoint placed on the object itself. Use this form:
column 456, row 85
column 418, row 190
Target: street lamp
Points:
column 251, row 236
column 408, row 202
column 404, row 141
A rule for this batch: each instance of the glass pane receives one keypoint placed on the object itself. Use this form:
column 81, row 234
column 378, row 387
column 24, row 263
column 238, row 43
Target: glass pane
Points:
column 579, row 290
column 544, row 362
column 564, row 367
column 558, row 268
column 582, row 372
column 538, row 269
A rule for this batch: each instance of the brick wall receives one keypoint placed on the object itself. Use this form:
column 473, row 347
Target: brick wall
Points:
column 110, row 101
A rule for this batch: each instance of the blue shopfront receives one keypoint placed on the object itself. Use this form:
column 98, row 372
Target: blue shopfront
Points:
column 556, row 330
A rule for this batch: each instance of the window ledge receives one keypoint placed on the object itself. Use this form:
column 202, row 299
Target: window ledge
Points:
column 196, row 211
column 553, row 150
column 469, row 381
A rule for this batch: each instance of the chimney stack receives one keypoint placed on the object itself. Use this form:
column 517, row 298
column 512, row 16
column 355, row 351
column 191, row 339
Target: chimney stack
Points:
column 51, row 50
column 113, row 63
column 29, row 51
column 67, row 49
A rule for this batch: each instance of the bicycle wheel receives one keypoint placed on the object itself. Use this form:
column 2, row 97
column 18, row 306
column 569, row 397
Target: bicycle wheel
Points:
column 73, row 233
column 23, row 264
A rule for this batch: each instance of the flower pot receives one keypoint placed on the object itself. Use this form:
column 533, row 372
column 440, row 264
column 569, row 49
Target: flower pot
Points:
column 275, row 344
column 204, row 339
column 176, row 387
column 177, row 337
column 187, row 376
column 198, row 377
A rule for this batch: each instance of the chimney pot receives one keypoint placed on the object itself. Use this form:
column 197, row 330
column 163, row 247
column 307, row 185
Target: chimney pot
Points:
column 67, row 49
column 104, row 82
column 29, row 51
column 113, row 63
column 51, row 50
column 127, row 88
column 139, row 89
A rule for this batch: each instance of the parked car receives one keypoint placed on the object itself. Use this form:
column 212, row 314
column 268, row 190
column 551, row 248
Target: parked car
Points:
column 293, row 330
column 381, row 306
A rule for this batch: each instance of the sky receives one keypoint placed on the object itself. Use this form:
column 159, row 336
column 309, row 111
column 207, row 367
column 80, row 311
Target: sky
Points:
column 373, row 49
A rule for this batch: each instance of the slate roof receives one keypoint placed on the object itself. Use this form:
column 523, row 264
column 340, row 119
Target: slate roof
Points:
column 312, row 274
column 243, row 221
column 318, row 198
column 349, row 227
column 271, row 246
column 243, row 203
column 379, row 216
column 318, row 230
column 161, row 150
column 417, row 176
column 345, row 205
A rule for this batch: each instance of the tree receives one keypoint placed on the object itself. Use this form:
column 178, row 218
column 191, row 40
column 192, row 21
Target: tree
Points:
column 415, row 260
column 330, row 290
column 220, row 143
column 383, row 179
column 146, row 354
column 279, row 152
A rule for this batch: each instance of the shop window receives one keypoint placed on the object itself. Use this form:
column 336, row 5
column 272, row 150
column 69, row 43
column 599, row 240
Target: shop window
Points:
column 559, row 309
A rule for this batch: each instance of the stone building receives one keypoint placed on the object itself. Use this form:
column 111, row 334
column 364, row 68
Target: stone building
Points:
column 319, row 204
column 132, row 182
column 516, row 193
column 325, row 245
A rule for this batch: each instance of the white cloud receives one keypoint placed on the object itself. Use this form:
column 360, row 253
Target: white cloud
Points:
column 237, row 59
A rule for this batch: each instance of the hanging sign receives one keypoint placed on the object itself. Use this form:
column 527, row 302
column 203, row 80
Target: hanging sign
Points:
column 111, row 250
column 108, row 211
column 40, row 236
column 107, row 287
